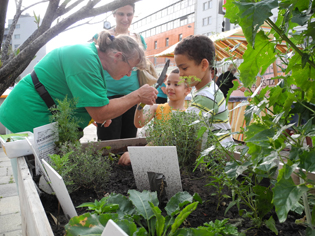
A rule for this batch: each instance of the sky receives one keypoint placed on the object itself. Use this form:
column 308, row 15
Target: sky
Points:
column 82, row 33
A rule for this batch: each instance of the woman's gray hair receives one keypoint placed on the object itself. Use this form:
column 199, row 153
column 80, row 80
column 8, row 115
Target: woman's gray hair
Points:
column 232, row 68
column 124, row 44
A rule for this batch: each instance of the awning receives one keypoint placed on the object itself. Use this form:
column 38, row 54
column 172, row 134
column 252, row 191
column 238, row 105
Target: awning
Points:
column 231, row 43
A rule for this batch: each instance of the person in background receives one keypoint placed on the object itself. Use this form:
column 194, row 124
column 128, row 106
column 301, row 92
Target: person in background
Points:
column 225, row 80
column 176, row 90
column 162, row 97
column 122, row 126
column 214, row 73
column 194, row 57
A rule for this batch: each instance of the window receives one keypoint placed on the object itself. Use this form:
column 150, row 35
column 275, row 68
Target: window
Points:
column 170, row 10
column 152, row 31
column 155, row 44
column 155, row 60
column 16, row 46
column 166, row 41
column 170, row 25
column 164, row 12
column 180, row 37
column 158, row 30
column 164, row 28
column 16, row 36
column 207, row 5
column 177, row 7
column 204, row 21
column 17, row 26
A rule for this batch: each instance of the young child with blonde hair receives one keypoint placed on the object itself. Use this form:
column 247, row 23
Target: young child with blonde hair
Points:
column 177, row 89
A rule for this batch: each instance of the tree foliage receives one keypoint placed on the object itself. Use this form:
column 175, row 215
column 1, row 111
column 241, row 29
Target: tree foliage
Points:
column 53, row 23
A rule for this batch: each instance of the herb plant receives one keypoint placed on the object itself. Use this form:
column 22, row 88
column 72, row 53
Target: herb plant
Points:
column 68, row 124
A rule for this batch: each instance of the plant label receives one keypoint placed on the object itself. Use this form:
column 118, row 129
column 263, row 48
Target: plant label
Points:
column 156, row 159
column 44, row 142
column 112, row 228
column 61, row 191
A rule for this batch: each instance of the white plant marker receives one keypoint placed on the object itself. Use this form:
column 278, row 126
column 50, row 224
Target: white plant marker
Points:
column 156, row 159
column 61, row 191
column 112, row 229
column 44, row 143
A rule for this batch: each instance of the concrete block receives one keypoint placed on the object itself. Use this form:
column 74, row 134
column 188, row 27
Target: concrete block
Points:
column 14, row 233
column 11, row 222
column 8, row 190
column 5, row 163
column 9, row 205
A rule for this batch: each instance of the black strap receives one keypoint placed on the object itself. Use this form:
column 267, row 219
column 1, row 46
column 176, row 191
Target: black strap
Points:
column 43, row 93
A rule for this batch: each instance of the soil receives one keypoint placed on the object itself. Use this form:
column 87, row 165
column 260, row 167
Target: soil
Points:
column 122, row 180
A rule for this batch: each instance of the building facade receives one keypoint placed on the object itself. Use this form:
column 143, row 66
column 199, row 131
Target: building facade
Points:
column 24, row 28
column 165, row 27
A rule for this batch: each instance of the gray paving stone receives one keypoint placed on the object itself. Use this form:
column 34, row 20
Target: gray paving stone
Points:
column 5, row 163
column 6, row 180
column 8, row 190
column 14, row 233
column 3, row 171
column 4, row 158
column 10, row 222
column 9, row 205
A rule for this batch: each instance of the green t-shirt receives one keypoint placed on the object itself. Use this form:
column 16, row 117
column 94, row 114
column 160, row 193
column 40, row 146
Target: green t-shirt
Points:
column 74, row 71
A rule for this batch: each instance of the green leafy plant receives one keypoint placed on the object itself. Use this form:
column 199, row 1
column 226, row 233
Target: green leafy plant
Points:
column 177, row 131
column 63, row 166
column 100, row 207
column 220, row 228
column 68, row 125
column 266, row 135
column 140, row 215
column 90, row 168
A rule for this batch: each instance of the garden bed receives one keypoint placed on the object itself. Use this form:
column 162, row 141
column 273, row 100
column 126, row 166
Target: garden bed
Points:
column 121, row 180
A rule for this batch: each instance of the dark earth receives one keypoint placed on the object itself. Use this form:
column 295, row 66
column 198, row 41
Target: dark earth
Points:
column 122, row 180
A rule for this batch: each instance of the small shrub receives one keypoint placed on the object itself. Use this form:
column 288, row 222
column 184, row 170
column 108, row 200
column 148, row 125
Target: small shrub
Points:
column 91, row 169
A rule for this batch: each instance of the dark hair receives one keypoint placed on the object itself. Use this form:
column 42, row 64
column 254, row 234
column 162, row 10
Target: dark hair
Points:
column 130, row 4
column 197, row 48
column 175, row 71
column 215, row 70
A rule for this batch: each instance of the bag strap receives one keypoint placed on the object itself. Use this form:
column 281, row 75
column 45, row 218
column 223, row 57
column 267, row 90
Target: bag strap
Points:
column 43, row 93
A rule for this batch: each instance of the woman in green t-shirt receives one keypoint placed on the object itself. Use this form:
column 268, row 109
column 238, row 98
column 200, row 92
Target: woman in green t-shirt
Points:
column 76, row 71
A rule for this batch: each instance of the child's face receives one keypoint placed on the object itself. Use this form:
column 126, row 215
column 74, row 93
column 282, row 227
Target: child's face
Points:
column 188, row 67
column 176, row 88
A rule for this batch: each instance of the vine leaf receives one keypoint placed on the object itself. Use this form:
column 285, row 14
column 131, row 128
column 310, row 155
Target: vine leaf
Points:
column 252, row 15
column 257, row 60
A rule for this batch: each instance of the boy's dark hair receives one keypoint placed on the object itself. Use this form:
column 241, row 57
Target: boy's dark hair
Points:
column 197, row 48
column 175, row 71
column 215, row 70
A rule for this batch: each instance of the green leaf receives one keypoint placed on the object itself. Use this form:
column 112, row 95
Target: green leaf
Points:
column 257, row 60
column 285, row 195
column 307, row 161
column 300, row 18
column 183, row 215
column 234, row 169
column 207, row 151
column 258, row 133
column 129, row 227
column 201, row 131
column 141, row 202
column 264, row 199
column 177, row 201
column 125, row 205
column 271, row 224
column 160, row 220
column 140, row 232
column 252, row 15
column 88, row 224
column 197, row 197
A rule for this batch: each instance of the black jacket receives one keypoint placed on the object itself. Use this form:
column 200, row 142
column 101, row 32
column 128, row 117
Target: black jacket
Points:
column 224, row 82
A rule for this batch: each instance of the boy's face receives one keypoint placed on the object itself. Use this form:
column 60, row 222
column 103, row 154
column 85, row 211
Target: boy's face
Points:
column 176, row 88
column 188, row 67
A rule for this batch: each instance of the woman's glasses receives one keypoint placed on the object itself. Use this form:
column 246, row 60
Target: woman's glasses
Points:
column 126, row 60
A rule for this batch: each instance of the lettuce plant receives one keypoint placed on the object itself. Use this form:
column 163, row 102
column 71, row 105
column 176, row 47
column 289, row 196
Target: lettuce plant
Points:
column 139, row 215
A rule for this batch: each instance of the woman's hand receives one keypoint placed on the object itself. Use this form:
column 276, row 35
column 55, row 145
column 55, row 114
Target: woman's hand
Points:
column 147, row 94
column 105, row 124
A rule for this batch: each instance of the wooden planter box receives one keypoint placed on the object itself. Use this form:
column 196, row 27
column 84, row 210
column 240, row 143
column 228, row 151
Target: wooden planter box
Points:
column 33, row 216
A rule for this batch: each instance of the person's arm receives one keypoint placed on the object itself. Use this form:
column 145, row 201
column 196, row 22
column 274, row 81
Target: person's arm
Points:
column 146, row 94
column 143, row 116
